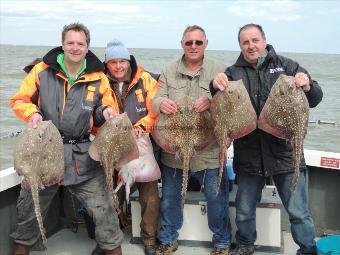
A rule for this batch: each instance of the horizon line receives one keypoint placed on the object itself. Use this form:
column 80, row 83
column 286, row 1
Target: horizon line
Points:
column 296, row 52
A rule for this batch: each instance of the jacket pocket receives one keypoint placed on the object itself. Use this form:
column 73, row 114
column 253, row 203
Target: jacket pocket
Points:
column 84, row 119
column 176, row 89
column 204, row 88
column 83, row 163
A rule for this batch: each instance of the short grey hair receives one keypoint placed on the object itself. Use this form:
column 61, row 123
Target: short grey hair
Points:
column 192, row 28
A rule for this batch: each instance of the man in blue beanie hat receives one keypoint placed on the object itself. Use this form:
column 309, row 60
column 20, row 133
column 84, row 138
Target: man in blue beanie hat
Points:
column 115, row 49
column 134, row 88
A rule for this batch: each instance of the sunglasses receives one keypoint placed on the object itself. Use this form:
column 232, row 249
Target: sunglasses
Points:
column 191, row 42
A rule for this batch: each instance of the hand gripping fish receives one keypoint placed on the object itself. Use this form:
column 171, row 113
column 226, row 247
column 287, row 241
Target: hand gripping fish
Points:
column 285, row 115
column 39, row 157
column 233, row 117
column 114, row 146
column 184, row 133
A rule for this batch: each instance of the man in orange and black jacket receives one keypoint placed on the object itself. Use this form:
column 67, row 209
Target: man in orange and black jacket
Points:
column 69, row 88
column 134, row 89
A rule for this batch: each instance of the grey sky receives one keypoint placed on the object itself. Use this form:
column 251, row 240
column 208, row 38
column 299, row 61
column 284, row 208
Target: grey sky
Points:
column 291, row 26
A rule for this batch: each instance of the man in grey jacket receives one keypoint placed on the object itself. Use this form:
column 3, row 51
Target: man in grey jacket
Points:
column 259, row 154
column 69, row 88
column 190, row 76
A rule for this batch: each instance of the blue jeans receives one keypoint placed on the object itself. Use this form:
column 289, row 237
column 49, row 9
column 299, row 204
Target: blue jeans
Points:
column 171, row 213
column 249, row 194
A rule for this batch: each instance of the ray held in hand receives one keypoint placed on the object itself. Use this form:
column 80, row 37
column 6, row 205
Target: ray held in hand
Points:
column 233, row 116
column 183, row 133
column 285, row 115
column 39, row 157
column 114, row 145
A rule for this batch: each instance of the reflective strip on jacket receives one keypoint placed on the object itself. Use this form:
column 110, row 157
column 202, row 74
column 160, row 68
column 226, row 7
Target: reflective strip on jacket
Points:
column 141, row 90
column 73, row 110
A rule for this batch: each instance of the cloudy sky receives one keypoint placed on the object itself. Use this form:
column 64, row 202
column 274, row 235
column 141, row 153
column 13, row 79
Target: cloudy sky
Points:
column 291, row 26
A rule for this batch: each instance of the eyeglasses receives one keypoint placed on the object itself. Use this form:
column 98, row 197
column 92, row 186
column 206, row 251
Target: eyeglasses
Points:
column 191, row 42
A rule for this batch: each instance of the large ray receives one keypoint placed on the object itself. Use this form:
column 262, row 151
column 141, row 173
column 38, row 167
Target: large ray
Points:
column 183, row 133
column 285, row 115
column 114, row 145
column 39, row 157
column 233, row 117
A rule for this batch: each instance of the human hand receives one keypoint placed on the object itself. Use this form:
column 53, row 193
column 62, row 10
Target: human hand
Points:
column 201, row 104
column 168, row 106
column 302, row 80
column 221, row 81
column 109, row 113
column 34, row 120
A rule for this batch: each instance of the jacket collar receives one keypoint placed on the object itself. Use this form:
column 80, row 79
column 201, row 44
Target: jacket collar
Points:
column 93, row 64
column 242, row 62
column 182, row 68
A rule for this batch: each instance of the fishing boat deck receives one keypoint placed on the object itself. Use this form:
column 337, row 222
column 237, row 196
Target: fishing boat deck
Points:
column 323, row 178
column 66, row 242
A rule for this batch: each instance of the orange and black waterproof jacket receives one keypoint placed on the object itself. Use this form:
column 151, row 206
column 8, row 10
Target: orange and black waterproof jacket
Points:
column 137, row 100
column 74, row 110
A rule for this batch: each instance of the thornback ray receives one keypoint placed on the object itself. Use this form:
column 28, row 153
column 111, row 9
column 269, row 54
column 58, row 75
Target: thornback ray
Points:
column 39, row 157
column 233, row 116
column 184, row 133
column 285, row 115
column 114, row 145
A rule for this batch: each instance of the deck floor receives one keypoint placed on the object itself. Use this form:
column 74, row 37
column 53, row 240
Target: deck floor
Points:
column 65, row 242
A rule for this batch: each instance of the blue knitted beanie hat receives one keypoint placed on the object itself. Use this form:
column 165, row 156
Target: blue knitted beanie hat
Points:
column 116, row 49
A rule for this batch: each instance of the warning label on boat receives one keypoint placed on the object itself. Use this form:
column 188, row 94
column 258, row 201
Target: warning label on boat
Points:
column 330, row 162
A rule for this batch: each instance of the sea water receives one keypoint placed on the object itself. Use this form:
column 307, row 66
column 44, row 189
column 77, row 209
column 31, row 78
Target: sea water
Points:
column 325, row 68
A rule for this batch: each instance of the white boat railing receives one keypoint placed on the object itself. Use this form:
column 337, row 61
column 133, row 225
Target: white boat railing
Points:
column 8, row 178
column 323, row 159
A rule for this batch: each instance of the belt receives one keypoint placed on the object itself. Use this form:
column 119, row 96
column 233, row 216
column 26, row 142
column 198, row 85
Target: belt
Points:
column 74, row 140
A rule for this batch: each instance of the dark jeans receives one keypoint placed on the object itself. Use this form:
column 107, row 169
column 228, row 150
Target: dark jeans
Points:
column 171, row 206
column 249, row 194
column 94, row 197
